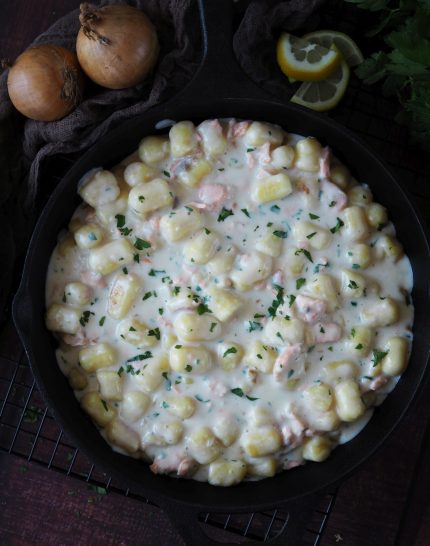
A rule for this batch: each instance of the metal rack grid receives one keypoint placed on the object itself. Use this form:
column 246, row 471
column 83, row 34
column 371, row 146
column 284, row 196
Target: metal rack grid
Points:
column 28, row 430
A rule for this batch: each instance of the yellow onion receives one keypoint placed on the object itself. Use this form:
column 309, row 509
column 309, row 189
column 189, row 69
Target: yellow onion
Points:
column 117, row 45
column 46, row 82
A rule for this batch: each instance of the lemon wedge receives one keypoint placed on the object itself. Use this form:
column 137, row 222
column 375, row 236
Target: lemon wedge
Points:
column 346, row 45
column 304, row 60
column 326, row 94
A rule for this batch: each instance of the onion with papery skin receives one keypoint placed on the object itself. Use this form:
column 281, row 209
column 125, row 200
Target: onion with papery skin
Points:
column 46, row 82
column 117, row 45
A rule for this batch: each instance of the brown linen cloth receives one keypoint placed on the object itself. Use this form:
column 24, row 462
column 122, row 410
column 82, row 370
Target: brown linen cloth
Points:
column 26, row 144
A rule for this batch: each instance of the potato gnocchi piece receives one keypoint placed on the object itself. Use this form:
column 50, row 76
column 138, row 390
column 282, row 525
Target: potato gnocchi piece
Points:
column 261, row 442
column 149, row 196
column 94, row 357
column 180, row 224
column 308, row 151
column 150, row 376
column 259, row 133
column 223, row 303
column 261, row 357
column 99, row 188
column 316, row 236
column 135, row 332
column 193, row 327
column 190, row 359
column 138, row 173
column 230, row 355
column 271, row 188
column 63, row 318
column 88, row 236
column 77, row 293
column 252, row 268
column 284, row 332
column 226, row 473
column 134, row 405
column 202, row 247
column 183, row 138
column 97, row 408
column 203, row 446
column 154, row 149
column 110, row 385
column 121, row 435
column 124, row 290
column 194, row 172
column 111, row 256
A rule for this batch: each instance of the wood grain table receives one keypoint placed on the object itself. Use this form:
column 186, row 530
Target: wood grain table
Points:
column 386, row 503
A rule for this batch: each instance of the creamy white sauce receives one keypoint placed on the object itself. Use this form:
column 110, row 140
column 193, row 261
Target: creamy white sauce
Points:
column 241, row 395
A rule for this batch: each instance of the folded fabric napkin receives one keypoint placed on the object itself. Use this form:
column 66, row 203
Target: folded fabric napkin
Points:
column 26, row 144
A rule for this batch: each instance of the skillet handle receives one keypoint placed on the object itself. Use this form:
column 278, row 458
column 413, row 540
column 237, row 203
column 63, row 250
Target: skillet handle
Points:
column 219, row 74
column 184, row 518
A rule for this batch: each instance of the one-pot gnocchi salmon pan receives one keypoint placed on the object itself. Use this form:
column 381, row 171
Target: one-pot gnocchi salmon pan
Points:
column 229, row 302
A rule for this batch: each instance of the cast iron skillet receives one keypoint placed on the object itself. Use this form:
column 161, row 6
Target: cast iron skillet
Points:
column 220, row 89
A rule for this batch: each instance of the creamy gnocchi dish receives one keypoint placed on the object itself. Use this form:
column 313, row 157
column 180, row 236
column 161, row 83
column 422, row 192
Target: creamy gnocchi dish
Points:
column 229, row 302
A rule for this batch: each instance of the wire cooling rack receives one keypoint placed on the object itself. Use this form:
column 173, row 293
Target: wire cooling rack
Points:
column 28, row 430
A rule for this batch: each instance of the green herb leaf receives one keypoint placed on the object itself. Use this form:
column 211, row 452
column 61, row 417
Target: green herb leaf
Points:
column 102, row 321
column 280, row 234
column 245, row 212
column 313, row 216
column 144, row 356
column 230, row 351
column 300, row 282
column 225, row 213
column 338, row 225
column 202, row 308
column 237, row 391
column 155, row 333
column 141, row 244
column 378, row 356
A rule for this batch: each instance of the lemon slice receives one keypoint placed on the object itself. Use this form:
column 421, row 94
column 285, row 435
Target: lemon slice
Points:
column 326, row 94
column 346, row 45
column 305, row 61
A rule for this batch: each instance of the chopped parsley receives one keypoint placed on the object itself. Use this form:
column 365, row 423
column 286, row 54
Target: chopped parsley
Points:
column 144, row 356
column 355, row 266
column 279, row 300
column 120, row 224
column 338, row 225
column 146, row 296
column 178, row 346
column 239, row 392
column 85, row 317
column 155, row 272
column 245, row 212
column 155, row 333
column 104, row 404
column 313, row 216
column 305, row 253
column 125, row 270
column 275, row 208
column 352, row 284
column 102, row 321
column 225, row 213
column 359, row 346
column 207, row 231
column 311, row 235
column 120, row 371
column 353, row 332
column 200, row 399
column 280, row 234
column 290, row 373
column 300, row 282
column 202, row 308
column 254, row 326
column 165, row 404
column 136, row 258
column 188, row 368
column 292, row 299
column 230, row 351
column 212, row 326
column 166, row 173
column 378, row 356
column 141, row 244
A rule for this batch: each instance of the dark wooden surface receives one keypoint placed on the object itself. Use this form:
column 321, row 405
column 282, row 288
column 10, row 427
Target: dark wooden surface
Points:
column 386, row 503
